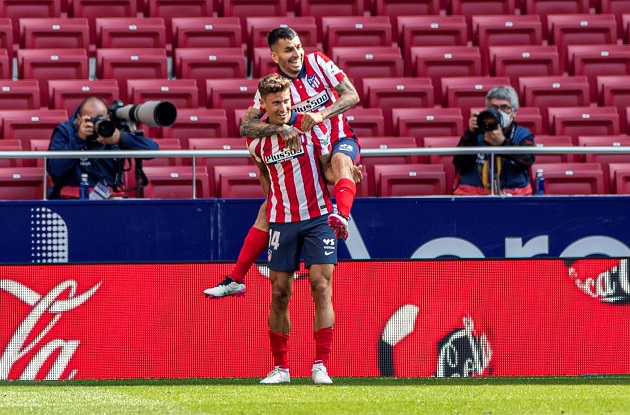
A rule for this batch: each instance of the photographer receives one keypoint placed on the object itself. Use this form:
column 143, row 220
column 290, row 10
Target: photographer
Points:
column 80, row 133
column 495, row 126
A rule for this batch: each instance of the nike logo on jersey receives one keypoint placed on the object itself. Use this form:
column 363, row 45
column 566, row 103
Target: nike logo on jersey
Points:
column 329, row 253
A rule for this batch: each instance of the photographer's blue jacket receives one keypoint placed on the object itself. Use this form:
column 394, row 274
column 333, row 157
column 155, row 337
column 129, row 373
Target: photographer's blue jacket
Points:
column 67, row 172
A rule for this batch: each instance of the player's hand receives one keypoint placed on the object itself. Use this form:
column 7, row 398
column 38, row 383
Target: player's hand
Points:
column 292, row 137
column 357, row 173
column 310, row 120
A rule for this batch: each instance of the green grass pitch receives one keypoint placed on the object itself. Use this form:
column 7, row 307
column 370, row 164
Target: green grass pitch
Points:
column 364, row 396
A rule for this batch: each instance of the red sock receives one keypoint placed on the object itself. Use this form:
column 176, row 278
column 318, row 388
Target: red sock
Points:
column 279, row 349
column 255, row 244
column 323, row 344
column 344, row 196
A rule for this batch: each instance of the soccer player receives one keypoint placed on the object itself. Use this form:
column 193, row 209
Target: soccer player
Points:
column 298, row 207
column 321, row 92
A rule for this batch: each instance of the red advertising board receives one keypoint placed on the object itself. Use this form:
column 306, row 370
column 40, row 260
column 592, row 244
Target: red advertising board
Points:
column 398, row 318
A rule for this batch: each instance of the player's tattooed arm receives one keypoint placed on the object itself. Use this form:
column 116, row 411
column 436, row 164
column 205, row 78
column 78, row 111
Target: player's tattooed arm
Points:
column 348, row 98
column 253, row 127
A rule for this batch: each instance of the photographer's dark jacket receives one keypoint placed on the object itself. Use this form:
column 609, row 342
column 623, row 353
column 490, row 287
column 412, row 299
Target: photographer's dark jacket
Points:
column 67, row 172
column 511, row 171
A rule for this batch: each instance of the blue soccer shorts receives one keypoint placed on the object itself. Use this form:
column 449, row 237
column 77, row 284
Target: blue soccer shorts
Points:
column 349, row 147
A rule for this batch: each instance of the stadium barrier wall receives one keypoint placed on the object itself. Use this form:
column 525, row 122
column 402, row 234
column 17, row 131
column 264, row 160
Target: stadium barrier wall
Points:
column 411, row 318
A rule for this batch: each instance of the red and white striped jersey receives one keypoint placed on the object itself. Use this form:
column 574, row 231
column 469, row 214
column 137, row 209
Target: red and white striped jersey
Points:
column 298, row 189
column 314, row 89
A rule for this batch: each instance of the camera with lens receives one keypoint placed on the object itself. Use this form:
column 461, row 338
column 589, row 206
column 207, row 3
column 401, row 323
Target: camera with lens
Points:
column 150, row 114
column 490, row 119
column 102, row 127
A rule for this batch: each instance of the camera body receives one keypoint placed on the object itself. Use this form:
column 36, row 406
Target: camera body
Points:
column 491, row 119
column 102, row 127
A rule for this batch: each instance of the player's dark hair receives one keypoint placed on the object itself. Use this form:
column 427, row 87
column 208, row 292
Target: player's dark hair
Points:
column 280, row 33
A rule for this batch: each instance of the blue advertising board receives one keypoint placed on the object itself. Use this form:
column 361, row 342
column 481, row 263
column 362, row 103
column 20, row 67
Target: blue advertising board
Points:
column 381, row 228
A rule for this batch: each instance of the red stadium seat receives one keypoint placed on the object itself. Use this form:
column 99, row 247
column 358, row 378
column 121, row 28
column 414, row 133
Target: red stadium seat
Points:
column 169, row 9
column 544, row 8
column 366, row 121
column 230, row 94
column 597, row 60
column 396, row 9
column 614, row 91
column 468, row 91
column 410, row 180
column 469, row 8
column 22, row 183
column 430, row 31
column 12, row 145
column 545, row 140
column 219, row 143
column 6, row 35
column 37, row 144
column 446, row 160
column 21, row 94
column 620, row 174
column 575, row 121
column 580, row 29
column 359, row 31
column 54, row 32
column 388, row 93
column 368, row 62
column 209, row 63
column 68, row 94
column 617, row 8
column 506, row 30
column 47, row 64
column 206, row 32
column 182, row 93
column 383, row 143
column 16, row 9
column 93, row 9
column 6, row 67
column 259, row 27
column 166, row 144
column 244, row 9
column 527, row 60
column 572, row 178
column 531, row 118
column 197, row 122
column 605, row 159
column 132, row 63
column 176, row 182
column 426, row 122
column 238, row 181
column 437, row 62
column 30, row 123
column 554, row 91
column 130, row 32
column 321, row 8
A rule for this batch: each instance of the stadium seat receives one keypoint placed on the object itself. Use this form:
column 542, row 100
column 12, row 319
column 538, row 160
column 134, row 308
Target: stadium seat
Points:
column 244, row 9
column 605, row 159
column 176, row 182
column 531, row 118
column 182, row 93
column 131, row 63
column 130, row 32
column 544, row 8
column 360, row 31
column 572, row 178
column 54, row 32
column 12, row 145
column 219, row 143
column 209, row 63
column 368, row 62
column 47, row 64
column 196, row 122
column 230, row 94
column 238, row 181
column 576, row 121
column 426, row 122
column 580, row 29
column 321, row 8
column 67, row 94
column 620, row 178
column 22, row 183
column 30, row 123
column 614, row 91
column 16, row 9
column 468, row 91
column 166, row 144
column 388, row 93
column 468, row 8
column 169, row 9
column 505, row 30
column 410, row 180
column 446, row 160
column 383, row 143
column 20, row 94
column 93, row 9
column 437, row 62
column 430, row 31
column 597, row 60
column 396, row 9
column 259, row 27
column 553, row 91
column 37, row 144
column 207, row 32
column 546, row 140
column 366, row 121
column 6, row 36
column 617, row 8
column 528, row 60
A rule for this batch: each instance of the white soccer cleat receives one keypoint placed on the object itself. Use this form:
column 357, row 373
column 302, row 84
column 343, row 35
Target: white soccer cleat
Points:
column 227, row 287
column 320, row 375
column 277, row 375
column 339, row 225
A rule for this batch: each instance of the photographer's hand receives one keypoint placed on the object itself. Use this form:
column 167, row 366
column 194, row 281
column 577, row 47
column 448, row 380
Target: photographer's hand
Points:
column 495, row 137
column 472, row 121
column 86, row 127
